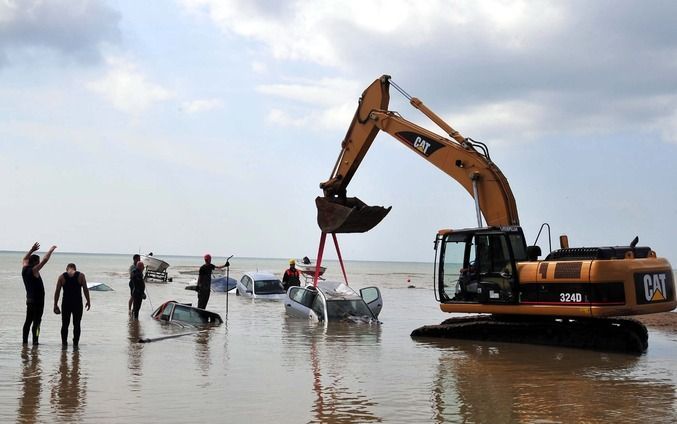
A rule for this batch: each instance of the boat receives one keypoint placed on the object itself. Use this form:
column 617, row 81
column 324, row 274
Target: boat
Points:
column 154, row 264
column 185, row 313
column 307, row 267
column 156, row 268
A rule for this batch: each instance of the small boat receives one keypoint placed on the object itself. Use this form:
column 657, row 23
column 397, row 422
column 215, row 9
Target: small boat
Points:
column 99, row 287
column 307, row 267
column 185, row 313
column 154, row 264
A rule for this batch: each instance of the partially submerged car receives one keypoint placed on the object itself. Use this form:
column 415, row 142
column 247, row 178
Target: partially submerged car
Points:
column 333, row 301
column 185, row 313
column 260, row 285
column 220, row 283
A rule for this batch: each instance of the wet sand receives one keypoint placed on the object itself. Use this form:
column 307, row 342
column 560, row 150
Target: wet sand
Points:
column 665, row 322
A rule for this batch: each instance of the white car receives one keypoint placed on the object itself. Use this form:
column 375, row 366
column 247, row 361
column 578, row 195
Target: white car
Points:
column 334, row 301
column 260, row 285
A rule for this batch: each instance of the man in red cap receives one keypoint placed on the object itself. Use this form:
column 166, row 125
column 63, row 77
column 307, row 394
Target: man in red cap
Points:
column 204, row 281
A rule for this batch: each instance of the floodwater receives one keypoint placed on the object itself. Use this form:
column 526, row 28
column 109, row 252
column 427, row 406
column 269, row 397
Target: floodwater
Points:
column 261, row 366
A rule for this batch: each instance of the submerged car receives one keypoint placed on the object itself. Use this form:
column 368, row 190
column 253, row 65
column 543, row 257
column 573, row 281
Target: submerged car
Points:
column 334, row 301
column 185, row 313
column 260, row 285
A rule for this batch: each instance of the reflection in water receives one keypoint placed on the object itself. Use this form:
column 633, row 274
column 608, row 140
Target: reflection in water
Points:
column 482, row 382
column 31, row 377
column 68, row 396
column 337, row 401
column 202, row 355
column 134, row 361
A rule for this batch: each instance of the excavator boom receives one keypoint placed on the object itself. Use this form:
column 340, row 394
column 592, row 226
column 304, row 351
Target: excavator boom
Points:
column 457, row 157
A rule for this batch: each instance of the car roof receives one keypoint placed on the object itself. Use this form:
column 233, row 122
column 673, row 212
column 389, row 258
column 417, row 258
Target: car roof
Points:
column 261, row 275
column 334, row 290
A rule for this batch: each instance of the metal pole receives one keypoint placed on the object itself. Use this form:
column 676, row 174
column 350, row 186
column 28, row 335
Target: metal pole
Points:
column 475, row 177
column 227, row 281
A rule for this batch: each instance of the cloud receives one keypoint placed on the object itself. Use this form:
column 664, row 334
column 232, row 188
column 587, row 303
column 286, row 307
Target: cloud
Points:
column 201, row 105
column 72, row 28
column 577, row 67
column 127, row 88
column 328, row 103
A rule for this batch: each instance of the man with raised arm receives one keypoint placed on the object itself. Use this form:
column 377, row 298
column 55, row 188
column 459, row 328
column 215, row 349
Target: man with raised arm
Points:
column 35, row 290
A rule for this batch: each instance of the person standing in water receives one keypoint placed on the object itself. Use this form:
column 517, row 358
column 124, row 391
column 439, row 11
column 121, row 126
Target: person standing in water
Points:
column 35, row 290
column 291, row 277
column 74, row 284
column 136, row 258
column 204, row 281
column 138, row 289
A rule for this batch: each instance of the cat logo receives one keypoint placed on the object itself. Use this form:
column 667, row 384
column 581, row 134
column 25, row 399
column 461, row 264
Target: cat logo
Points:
column 421, row 145
column 654, row 287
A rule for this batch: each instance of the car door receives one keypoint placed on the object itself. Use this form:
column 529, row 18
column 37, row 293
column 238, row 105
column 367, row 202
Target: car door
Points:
column 293, row 303
column 372, row 297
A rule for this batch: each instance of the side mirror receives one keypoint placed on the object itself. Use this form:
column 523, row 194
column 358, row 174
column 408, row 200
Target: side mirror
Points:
column 533, row 252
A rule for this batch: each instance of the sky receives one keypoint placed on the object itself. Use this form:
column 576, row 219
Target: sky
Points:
column 193, row 126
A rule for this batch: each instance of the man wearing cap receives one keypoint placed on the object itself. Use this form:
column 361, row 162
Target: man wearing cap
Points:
column 204, row 281
column 291, row 276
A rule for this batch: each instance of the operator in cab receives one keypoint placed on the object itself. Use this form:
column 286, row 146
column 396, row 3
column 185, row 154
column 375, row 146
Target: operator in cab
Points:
column 292, row 276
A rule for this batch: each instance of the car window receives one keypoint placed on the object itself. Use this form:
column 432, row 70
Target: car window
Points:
column 342, row 308
column 318, row 307
column 268, row 287
column 296, row 294
column 167, row 311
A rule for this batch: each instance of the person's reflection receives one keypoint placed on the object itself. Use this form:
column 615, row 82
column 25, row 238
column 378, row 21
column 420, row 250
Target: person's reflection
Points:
column 68, row 392
column 202, row 350
column 134, row 361
column 31, row 377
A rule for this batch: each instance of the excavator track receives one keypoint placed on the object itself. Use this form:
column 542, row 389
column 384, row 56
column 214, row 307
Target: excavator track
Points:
column 603, row 334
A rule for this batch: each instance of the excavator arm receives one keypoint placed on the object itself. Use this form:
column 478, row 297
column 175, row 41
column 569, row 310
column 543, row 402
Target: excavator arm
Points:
column 456, row 156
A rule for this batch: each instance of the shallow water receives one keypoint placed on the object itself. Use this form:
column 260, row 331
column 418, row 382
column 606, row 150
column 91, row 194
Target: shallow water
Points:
column 261, row 365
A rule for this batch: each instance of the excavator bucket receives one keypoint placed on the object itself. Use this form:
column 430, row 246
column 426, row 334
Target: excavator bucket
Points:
column 347, row 216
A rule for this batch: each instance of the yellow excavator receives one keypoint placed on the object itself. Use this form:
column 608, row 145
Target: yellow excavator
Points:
column 567, row 298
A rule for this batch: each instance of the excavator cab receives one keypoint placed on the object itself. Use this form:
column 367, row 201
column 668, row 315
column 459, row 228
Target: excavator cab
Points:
column 479, row 265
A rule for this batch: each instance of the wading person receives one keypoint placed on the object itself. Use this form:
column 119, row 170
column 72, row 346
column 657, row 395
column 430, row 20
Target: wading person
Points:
column 291, row 276
column 135, row 259
column 35, row 291
column 138, row 289
column 73, row 284
column 204, row 281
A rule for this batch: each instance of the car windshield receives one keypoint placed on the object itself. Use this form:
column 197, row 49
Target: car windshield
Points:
column 344, row 308
column 268, row 287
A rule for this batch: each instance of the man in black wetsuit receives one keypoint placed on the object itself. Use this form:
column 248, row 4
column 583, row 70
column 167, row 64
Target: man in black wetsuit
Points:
column 73, row 284
column 204, row 281
column 35, row 290
column 138, row 289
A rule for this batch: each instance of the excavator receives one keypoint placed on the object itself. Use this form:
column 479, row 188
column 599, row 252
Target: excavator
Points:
column 574, row 296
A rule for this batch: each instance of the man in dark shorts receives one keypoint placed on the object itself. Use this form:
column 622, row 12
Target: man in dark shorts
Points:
column 138, row 289
column 73, row 284
column 35, row 290
column 135, row 259
column 204, row 281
